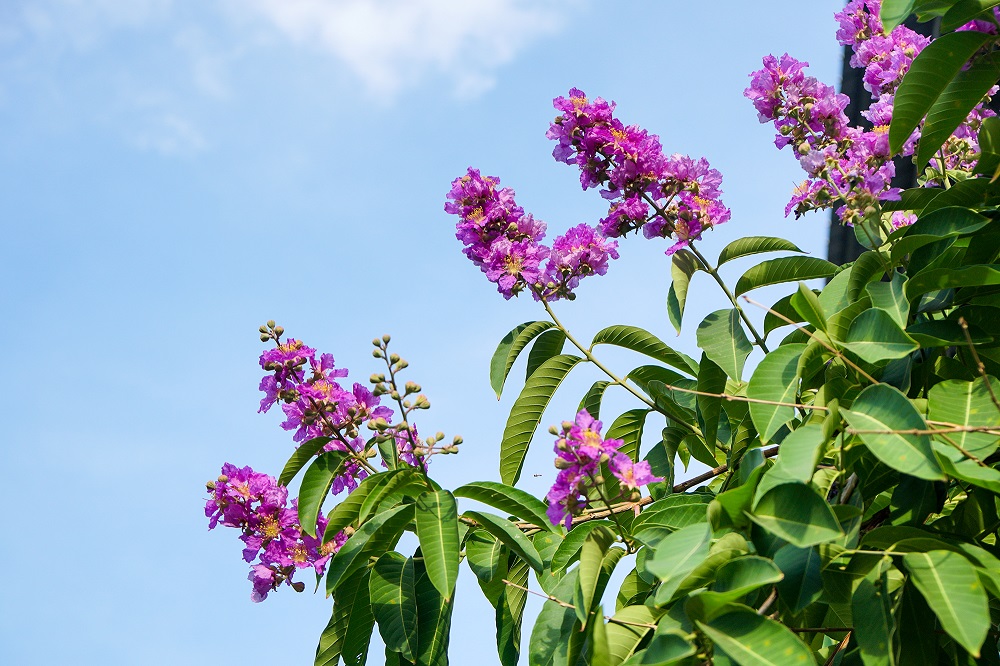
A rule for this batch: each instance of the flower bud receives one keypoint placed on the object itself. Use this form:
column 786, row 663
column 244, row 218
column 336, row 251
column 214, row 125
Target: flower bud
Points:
column 376, row 342
column 386, row 338
column 298, row 586
column 457, row 440
column 599, row 479
column 374, row 379
column 394, row 357
column 263, row 329
column 270, row 323
column 223, row 478
column 264, row 337
column 562, row 463
column 348, row 531
column 553, row 430
column 401, row 364
column 210, row 485
column 394, row 395
column 439, row 435
column 279, row 331
column 605, row 457
column 376, row 353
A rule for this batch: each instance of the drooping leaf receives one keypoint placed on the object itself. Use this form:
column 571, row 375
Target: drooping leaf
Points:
column 936, row 279
column 600, row 652
column 298, row 460
column 644, row 342
column 875, row 337
column 433, row 620
column 316, row 486
column 879, row 412
column 800, row 451
column 628, row 629
column 951, row 588
column 510, row 613
column 894, row 12
column 527, row 411
column 748, row 245
column 628, row 428
column 592, row 401
column 803, row 583
column 929, row 75
column 967, row 404
column 682, row 266
column 513, row 538
column 677, row 555
column 711, row 379
column 509, row 348
column 788, row 315
column 375, row 537
column 797, row 514
column 807, row 304
column 723, row 340
column 749, row 638
column 775, row 379
column 513, row 501
column 784, row 269
column 547, row 345
column 889, row 296
column 568, row 550
column 873, row 623
column 482, row 552
column 989, row 147
column 394, row 603
column 591, row 556
column 437, row 529
column 552, row 640
column 349, row 631
column 964, row 11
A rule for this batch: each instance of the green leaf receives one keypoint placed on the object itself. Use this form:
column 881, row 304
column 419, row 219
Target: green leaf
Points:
column 548, row 344
column 482, row 552
column 591, row 557
column 628, row 428
column 806, row 303
column 803, row 582
column 349, row 509
column 678, row 555
column 510, row 613
column 949, row 222
column 797, row 514
column 929, row 75
column 600, row 652
column 349, row 631
column 669, row 647
column 776, row 379
column 507, row 499
column 437, row 529
column 553, row 637
column 936, row 279
column 513, row 538
column 316, row 486
column 433, row 620
column 971, row 472
column 644, row 342
column 971, row 193
column 866, row 268
column 889, row 296
column 949, row 584
column 783, row 307
column 873, row 623
column 569, row 548
column 752, row 639
column 723, row 340
column 966, row 404
column 527, row 413
column 302, row 455
column 737, row 578
column 743, row 247
column 711, row 379
column 951, row 109
column 592, row 401
column 394, row 603
column 509, row 348
column 964, row 11
column 883, row 408
column 624, row 639
column 682, row 266
column 394, row 483
column 989, row 147
column 874, row 336
column 894, row 12
column 372, row 538
column 801, row 450
column 784, row 269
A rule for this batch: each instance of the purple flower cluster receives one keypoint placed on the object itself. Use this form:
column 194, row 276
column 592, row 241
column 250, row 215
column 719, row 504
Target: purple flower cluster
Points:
column 255, row 504
column 579, row 454
column 666, row 196
column 316, row 405
column 505, row 242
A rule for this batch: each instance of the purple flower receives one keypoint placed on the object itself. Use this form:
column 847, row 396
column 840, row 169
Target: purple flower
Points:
column 631, row 474
column 859, row 22
column 580, row 252
column 513, row 266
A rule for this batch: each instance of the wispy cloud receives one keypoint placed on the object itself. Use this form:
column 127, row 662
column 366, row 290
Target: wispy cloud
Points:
column 392, row 45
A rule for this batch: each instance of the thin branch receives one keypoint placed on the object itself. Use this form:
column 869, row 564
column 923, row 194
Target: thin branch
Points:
column 565, row 604
column 767, row 602
column 979, row 363
column 836, row 352
column 843, row 644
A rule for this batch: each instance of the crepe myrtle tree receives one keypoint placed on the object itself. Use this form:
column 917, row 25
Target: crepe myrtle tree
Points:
column 849, row 514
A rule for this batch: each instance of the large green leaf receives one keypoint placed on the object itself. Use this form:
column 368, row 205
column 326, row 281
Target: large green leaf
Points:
column 591, row 557
column 871, row 612
column 349, row 509
column 874, row 336
column 510, row 613
column 316, row 486
column 394, row 483
column 513, row 538
column 682, row 266
column 527, row 413
column 592, row 401
column 644, row 342
column 373, row 538
column 748, row 245
column 951, row 109
column 711, row 379
column 882, row 408
column 302, row 455
column 788, row 314
column 989, row 147
column 894, row 12
column 737, row 578
column 394, row 603
column 868, row 267
column 433, row 620
column 349, row 631
column 628, row 629
column 437, row 529
column 628, row 428
column 801, row 450
column 784, row 269
column 797, row 514
column 950, row 586
column 966, row 404
column 482, row 552
column 569, row 548
column 889, row 296
column 513, row 501
column 947, row 222
column 723, row 340
column 964, row 11
column 936, row 279
column 807, row 304
column 803, row 582
column 775, row 379
column 548, row 344
column 552, row 638
column 509, row 348
column 929, row 75
column 678, row 555
column 753, row 640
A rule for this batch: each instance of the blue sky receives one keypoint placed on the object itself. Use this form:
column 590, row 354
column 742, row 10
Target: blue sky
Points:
column 178, row 172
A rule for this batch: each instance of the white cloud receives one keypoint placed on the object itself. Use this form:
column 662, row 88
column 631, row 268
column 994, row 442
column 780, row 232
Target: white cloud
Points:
column 169, row 134
column 390, row 45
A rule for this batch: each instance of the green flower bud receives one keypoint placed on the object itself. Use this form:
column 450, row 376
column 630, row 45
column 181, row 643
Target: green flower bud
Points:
column 377, row 353
column 386, row 338
column 210, row 485
column 457, row 440
column 562, row 463
column 279, row 331
column 270, row 323
column 393, row 358
column 376, row 342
